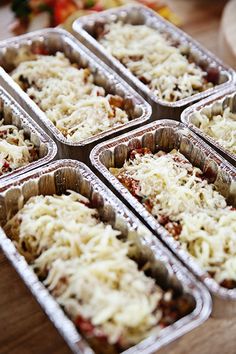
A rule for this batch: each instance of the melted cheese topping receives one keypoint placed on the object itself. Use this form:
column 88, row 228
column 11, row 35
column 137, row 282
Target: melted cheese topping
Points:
column 15, row 149
column 87, row 268
column 221, row 128
column 175, row 189
column 154, row 60
column 68, row 96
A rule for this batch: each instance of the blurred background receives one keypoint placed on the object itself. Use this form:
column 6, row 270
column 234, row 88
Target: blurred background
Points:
column 211, row 22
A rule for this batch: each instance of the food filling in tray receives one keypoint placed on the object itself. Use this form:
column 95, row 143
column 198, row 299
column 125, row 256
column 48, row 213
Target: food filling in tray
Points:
column 180, row 197
column 165, row 67
column 92, row 271
column 68, row 95
column 220, row 127
column 16, row 150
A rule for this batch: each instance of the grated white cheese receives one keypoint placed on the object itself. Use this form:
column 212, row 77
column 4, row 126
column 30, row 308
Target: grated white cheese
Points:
column 63, row 91
column 110, row 291
column 210, row 236
column 15, row 149
column 154, row 60
column 175, row 189
column 87, row 267
column 79, row 122
column 221, row 128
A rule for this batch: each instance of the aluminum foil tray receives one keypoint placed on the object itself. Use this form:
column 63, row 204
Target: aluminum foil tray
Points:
column 167, row 135
column 53, row 40
column 12, row 113
column 56, row 178
column 84, row 29
column 211, row 106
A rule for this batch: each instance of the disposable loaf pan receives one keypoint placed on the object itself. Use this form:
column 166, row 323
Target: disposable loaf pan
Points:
column 211, row 106
column 167, row 135
column 12, row 113
column 51, row 41
column 85, row 29
column 62, row 175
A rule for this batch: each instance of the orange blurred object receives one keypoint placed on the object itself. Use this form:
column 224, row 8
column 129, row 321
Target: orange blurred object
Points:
column 62, row 10
column 58, row 12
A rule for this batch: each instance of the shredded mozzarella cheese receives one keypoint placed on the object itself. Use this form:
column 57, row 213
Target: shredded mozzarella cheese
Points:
column 15, row 149
column 221, row 128
column 87, row 267
column 104, row 117
column 69, row 97
column 154, row 60
column 176, row 190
